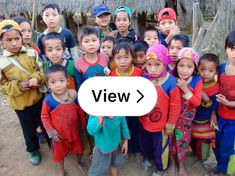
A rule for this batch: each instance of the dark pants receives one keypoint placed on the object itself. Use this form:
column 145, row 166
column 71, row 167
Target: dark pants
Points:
column 29, row 119
column 133, row 126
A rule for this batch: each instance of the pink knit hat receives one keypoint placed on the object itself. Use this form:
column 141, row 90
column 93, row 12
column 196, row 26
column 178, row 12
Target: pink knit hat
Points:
column 159, row 52
column 189, row 53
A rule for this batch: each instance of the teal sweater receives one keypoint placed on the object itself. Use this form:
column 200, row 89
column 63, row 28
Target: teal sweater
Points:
column 108, row 135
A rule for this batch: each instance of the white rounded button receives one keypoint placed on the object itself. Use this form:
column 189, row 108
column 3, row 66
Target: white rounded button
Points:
column 117, row 96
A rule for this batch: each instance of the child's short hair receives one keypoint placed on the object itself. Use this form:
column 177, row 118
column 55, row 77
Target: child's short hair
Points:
column 56, row 68
column 86, row 30
column 53, row 35
column 21, row 19
column 109, row 38
column 123, row 45
column 149, row 28
column 182, row 38
column 50, row 6
column 140, row 45
column 210, row 57
column 124, row 9
column 230, row 40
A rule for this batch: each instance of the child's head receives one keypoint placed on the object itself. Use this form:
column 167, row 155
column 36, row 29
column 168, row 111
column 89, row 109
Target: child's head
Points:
column 230, row 46
column 150, row 35
column 186, row 65
column 53, row 46
column 57, row 79
column 26, row 29
column 10, row 36
column 123, row 56
column 106, row 45
column 208, row 67
column 157, row 59
column 140, row 49
column 178, row 42
column 51, row 15
column 88, row 39
column 102, row 15
column 122, row 18
column 166, row 20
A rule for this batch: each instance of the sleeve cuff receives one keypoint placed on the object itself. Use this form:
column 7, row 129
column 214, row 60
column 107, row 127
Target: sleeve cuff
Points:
column 188, row 95
column 207, row 104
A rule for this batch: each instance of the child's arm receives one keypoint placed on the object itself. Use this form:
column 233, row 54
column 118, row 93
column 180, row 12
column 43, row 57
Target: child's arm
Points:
column 193, row 97
column 125, row 135
column 223, row 100
column 46, row 121
column 174, row 31
column 174, row 110
column 94, row 124
column 14, row 87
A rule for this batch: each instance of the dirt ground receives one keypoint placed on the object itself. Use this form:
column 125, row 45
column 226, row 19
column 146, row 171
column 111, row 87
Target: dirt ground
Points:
column 14, row 159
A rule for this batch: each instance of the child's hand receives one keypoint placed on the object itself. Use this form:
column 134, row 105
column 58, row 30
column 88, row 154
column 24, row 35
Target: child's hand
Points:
column 107, row 71
column 168, row 132
column 213, row 121
column 205, row 97
column 33, row 82
column 182, row 85
column 56, row 138
column 124, row 147
column 174, row 31
column 100, row 120
column 222, row 99
column 24, row 86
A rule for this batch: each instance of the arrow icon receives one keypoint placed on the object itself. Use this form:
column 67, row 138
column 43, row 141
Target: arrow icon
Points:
column 142, row 96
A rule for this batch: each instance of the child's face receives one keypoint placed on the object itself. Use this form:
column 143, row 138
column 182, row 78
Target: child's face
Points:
column 103, row 20
column 51, row 17
column 174, row 49
column 26, row 32
column 123, row 60
column 207, row 70
column 57, row 82
column 155, row 67
column 54, row 50
column 139, row 59
column 12, row 41
column 231, row 54
column 166, row 26
column 185, row 68
column 106, row 48
column 90, row 44
column 151, row 38
column 122, row 21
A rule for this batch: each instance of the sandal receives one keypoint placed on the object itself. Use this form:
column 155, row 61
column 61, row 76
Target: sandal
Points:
column 144, row 166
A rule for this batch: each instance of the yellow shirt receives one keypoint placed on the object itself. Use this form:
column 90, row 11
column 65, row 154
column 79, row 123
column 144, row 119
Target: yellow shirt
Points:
column 11, row 76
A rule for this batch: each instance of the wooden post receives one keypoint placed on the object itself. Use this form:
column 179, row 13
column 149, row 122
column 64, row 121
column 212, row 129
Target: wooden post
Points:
column 33, row 13
column 197, row 20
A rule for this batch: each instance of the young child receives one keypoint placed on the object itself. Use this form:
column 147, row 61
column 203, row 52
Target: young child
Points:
column 191, row 92
column 54, row 48
column 108, row 132
column 150, row 36
column 106, row 47
column 140, row 49
column 160, row 122
column 20, row 82
column 225, row 135
column 92, row 63
column 177, row 42
column 167, row 25
column 102, row 17
column 61, row 126
column 203, row 132
column 51, row 15
column 122, row 19
column 123, row 57
column 26, row 31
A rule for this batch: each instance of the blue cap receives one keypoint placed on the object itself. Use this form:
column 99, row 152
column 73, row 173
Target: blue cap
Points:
column 100, row 9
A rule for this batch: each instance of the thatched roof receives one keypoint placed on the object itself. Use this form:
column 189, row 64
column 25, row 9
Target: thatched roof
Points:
column 71, row 6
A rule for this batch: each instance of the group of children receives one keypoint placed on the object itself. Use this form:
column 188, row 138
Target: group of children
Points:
column 194, row 110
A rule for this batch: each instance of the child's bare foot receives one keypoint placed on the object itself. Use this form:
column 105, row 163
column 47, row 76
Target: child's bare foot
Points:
column 171, row 168
column 82, row 167
column 182, row 171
